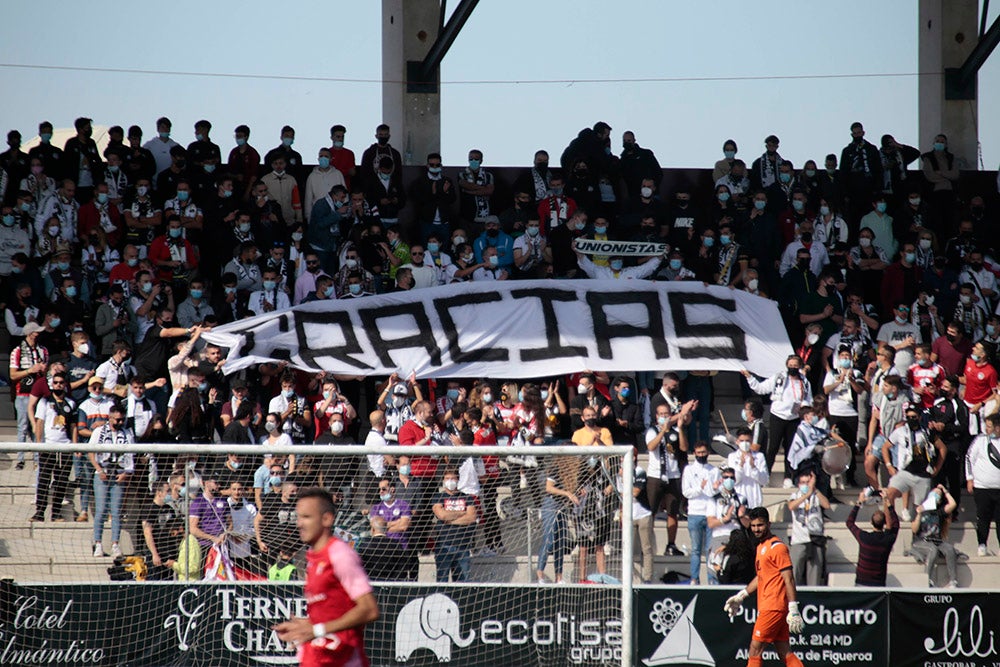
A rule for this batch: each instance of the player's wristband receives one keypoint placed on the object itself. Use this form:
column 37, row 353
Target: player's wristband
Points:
column 319, row 630
column 793, row 607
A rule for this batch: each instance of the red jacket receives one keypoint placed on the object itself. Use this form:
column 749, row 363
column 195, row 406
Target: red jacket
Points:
column 411, row 433
column 159, row 251
column 90, row 219
column 894, row 284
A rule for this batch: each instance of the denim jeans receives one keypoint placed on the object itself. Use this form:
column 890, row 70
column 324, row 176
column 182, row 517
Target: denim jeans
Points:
column 698, row 530
column 105, row 493
column 83, row 473
column 23, row 423
column 553, row 537
column 453, row 561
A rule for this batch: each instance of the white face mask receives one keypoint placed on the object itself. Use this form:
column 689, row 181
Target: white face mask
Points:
column 84, row 348
column 752, row 284
column 812, row 338
column 451, row 484
column 744, row 445
column 337, row 428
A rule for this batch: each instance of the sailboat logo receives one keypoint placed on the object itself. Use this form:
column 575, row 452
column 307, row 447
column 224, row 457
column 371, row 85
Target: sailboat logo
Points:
column 681, row 645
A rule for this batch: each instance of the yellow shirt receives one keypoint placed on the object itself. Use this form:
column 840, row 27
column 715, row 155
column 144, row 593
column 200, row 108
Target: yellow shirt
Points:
column 585, row 437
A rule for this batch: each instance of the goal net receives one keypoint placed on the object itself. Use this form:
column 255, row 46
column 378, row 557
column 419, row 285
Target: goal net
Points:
column 182, row 554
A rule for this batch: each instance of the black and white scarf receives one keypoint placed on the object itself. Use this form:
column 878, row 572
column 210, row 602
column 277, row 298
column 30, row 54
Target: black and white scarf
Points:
column 541, row 182
column 768, row 170
column 859, row 159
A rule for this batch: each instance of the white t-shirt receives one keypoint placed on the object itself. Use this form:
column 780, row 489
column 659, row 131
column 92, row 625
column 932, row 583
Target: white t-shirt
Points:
column 841, row 399
column 662, row 464
column 57, row 421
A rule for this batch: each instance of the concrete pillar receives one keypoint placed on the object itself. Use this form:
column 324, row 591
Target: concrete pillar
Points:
column 409, row 28
column 948, row 31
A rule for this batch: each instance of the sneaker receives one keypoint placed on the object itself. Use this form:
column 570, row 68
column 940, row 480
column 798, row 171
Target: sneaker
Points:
column 905, row 515
column 37, row 517
column 981, row 551
column 19, row 465
column 98, row 550
column 787, row 484
column 952, row 584
column 116, row 551
column 672, row 550
column 871, row 492
column 82, row 517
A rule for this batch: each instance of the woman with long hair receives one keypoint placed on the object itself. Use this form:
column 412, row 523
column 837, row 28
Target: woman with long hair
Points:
column 560, row 496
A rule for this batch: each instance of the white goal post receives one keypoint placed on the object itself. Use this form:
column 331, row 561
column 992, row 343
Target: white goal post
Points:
column 54, row 551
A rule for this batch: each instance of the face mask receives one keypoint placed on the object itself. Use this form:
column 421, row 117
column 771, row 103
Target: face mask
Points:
column 71, row 290
column 382, row 141
column 532, row 231
column 965, row 299
column 844, row 363
column 744, row 445
column 385, row 497
column 494, row 261
column 925, row 244
column 785, row 178
column 864, row 242
column 723, row 196
column 164, row 135
column 53, row 231
column 296, row 236
column 900, row 319
column 880, row 207
column 432, row 247
column 938, row 146
column 625, row 392
column 752, row 284
column 600, row 230
column 914, row 201
column 474, row 164
column 975, row 357
column 84, row 348
column 404, row 470
column 914, row 424
column 8, row 220
column 142, row 190
column 798, row 204
column 803, row 489
column 240, row 141
column 812, row 338
column 55, row 322
column 646, row 192
column 675, row 264
column 451, row 484
column 729, row 154
column 545, row 394
column 230, row 290
column 759, row 204
column 616, row 264
column 270, row 427
column 725, row 239
column 590, row 422
column 95, row 397
column 701, row 459
column 910, row 257
column 810, row 173
column 275, row 480
column 196, row 293
column 487, row 398
column 147, row 288
column 582, row 388
column 729, row 483
column 244, row 227
column 708, row 241
column 324, row 162
column 328, row 292
column 287, row 141
column 991, row 330
column 793, row 372
column 175, row 232
column 46, row 137
column 336, row 428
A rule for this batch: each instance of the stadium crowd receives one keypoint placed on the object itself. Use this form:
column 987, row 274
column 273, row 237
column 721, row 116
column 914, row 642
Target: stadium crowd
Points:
column 114, row 263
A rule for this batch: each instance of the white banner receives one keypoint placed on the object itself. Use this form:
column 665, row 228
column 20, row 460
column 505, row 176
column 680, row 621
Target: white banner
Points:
column 620, row 248
column 531, row 328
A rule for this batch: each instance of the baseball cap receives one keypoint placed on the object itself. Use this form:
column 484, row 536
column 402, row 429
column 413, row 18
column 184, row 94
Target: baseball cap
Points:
column 32, row 327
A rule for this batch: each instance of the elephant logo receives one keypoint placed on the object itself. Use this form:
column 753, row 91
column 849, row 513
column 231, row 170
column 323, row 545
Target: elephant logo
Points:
column 433, row 623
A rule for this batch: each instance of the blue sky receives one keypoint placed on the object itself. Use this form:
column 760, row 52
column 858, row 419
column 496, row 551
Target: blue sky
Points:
column 685, row 122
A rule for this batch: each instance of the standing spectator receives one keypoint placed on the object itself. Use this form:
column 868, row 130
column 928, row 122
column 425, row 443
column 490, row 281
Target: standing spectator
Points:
column 434, row 195
column 700, row 483
column 28, row 363
column 982, row 474
column 340, row 157
column 948, row 418
column 980, row 380
column 476, row 188
column 81, row 161
column 930, row 529
column 162, row 531
column 789, row 391
column 861, row 170
column 808, row 542
column 378, row 150
column 112, row 471
column 283, row 189
column 292, row 158
column 456, row 515
column 666, row 445
column 941, row 170
column 642, row 520
column 243, row 162
column 162, row 144
column 209, row 517
column 902, row 335
column 560, row 497
column 749, row 468
column 874, row 547
column 729, row 512
column 55, row 423
column 638, row 163
column 294, row 411
column 320, row 180
column 952, row 349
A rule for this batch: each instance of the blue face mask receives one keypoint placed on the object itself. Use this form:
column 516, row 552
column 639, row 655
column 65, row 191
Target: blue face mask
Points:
column 175, row 232
column 270, row 285
column 708, row 241
column 209, row 168
column 71, row 290
column 203, row 386
column 287, row 393
column 162, row 135
column 385, row 497
column 798, row 204
column 545, row 394
column 759, row 204
column 328, row 292
column 910, row 257
column 324, row 162
column 183, row 195
column 880, row 207
column 25, row 207
column 62, row 266
column 723, row 196
column 729, row 483
column 433, row 247
column 616, row 264
column 354, row 288
column 729, row 154
column 275, row 480
column 8, row 220
column 196, row 293
column 532, row 230
column 230, row 290
column 287, row 141
column 938, row 146
column 725, row 239
column 55, row 322
column 226, row 194
column 675, row 264
column 404, row 469
column 625, row 392
column 46, row 137
column 474, row 164
column 338, row 144
column 199, row 137
column 785, row 178
column 434, row 170
column 600, row 230
column 803, row 489
column 102, row 197
column 240, row 141
column 453, row 394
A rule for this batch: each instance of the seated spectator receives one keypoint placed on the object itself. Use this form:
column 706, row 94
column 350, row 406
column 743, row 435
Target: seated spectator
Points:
column 930, row 529
column 490, row 268
column 493, row 237
column 394, row 512
column 423, row 273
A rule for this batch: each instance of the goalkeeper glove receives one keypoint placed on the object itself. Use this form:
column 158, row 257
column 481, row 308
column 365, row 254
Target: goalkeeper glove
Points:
column 734, row 604
column 794, row 618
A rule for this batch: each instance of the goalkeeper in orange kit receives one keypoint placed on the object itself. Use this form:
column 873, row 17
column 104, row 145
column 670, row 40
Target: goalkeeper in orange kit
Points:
column 777, row 607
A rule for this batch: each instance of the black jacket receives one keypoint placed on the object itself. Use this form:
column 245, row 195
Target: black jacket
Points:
column 428, row 196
